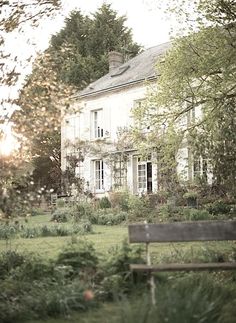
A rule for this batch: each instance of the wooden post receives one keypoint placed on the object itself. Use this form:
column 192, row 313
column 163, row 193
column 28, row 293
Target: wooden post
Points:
column 151, row 277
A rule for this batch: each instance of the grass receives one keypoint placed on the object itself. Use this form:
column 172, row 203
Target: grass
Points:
column 101, row 315
column 104, row 237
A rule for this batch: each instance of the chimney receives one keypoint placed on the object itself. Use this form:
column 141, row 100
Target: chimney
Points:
column 115, row 60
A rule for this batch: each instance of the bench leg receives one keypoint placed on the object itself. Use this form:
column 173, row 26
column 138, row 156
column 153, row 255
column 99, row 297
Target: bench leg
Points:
column 151, row 277
column 152, row 289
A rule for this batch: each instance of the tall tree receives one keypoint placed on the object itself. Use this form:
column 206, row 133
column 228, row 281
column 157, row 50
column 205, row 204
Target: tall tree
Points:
column 199, row 72
column 83, row 45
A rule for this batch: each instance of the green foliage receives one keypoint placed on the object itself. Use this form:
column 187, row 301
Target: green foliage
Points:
column 190, row 195
column 34, row 288
column 117, row 278
column 15, row 188
column 60, row 203
column 9, row 260
column 47, row 171
column 81, row 47
column 80, row 255
column 102, row 216
column 219, row 207
column 119, row 199
column 83, row 210
column 196, row 255
column 198, row 73
column 139, row 207
column 112, row 218
column 191, row 198
column 7, row 231
column 62, row 214
column 10, row 230
column 104, row 203
column 36, row 211
column 193, row 298
column 196, row 215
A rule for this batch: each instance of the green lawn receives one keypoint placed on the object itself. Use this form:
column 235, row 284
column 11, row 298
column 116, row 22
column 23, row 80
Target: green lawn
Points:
column 103, row 237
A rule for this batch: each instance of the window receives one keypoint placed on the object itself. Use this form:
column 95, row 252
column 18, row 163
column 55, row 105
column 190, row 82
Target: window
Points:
column 144, row 175
column 97, row 129
column 99, row 174
column 119, row 172
column 199, row 168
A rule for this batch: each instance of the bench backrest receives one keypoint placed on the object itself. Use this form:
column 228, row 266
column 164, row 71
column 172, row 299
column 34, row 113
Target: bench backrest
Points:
column 183, row 231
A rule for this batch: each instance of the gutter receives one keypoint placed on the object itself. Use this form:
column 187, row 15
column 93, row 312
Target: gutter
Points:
column 113, row 88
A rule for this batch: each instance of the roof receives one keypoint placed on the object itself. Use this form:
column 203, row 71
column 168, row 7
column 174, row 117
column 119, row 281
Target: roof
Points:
column 137, row 69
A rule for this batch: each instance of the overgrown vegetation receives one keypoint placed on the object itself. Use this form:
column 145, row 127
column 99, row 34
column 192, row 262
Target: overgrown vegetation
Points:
column 80, row 279
column 32, row 287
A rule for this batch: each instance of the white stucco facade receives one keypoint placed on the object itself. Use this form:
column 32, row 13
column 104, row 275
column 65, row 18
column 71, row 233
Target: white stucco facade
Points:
column 115, row 112
column 102, row 110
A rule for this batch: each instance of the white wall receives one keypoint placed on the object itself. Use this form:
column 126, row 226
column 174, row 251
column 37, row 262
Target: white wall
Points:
column 116, row 107
column 117, row 113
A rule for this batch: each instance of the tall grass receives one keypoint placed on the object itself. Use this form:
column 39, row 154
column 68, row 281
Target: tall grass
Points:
column 192, row 298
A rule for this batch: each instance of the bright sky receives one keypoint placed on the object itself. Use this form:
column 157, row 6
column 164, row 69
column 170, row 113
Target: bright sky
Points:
column 147, row 21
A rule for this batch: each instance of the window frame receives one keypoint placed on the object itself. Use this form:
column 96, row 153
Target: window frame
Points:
column 97, row 131
column 99, row 174
column 200, row 168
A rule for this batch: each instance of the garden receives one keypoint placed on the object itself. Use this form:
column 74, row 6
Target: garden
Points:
column 71, row 263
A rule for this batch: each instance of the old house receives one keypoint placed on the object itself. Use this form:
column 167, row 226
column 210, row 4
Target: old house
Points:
column 101, row 113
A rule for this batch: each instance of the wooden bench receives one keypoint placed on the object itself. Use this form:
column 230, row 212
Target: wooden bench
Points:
column 180, row 232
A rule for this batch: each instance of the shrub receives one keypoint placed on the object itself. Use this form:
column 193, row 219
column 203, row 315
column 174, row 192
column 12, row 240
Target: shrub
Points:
column 34, row 289
column 62, row 230
column 30, row 232
column 60, row 203
column 61, row 215
column 218, row 207
column 112, row 218
column 117, row 278
column 80, row 256
column 33, row 268
column 36, row 211
column 120, row 199
column 191, row 198
column 104, row 203
column 161, row 196
column 82, row 210
column 139, row 207
column 9, row 260
column 196, row 215
column 164, row 212
column 85, row 226
column 8, row 231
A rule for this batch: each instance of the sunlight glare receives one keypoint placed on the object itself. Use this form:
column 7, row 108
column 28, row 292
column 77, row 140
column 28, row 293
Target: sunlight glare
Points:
column 9, row 143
